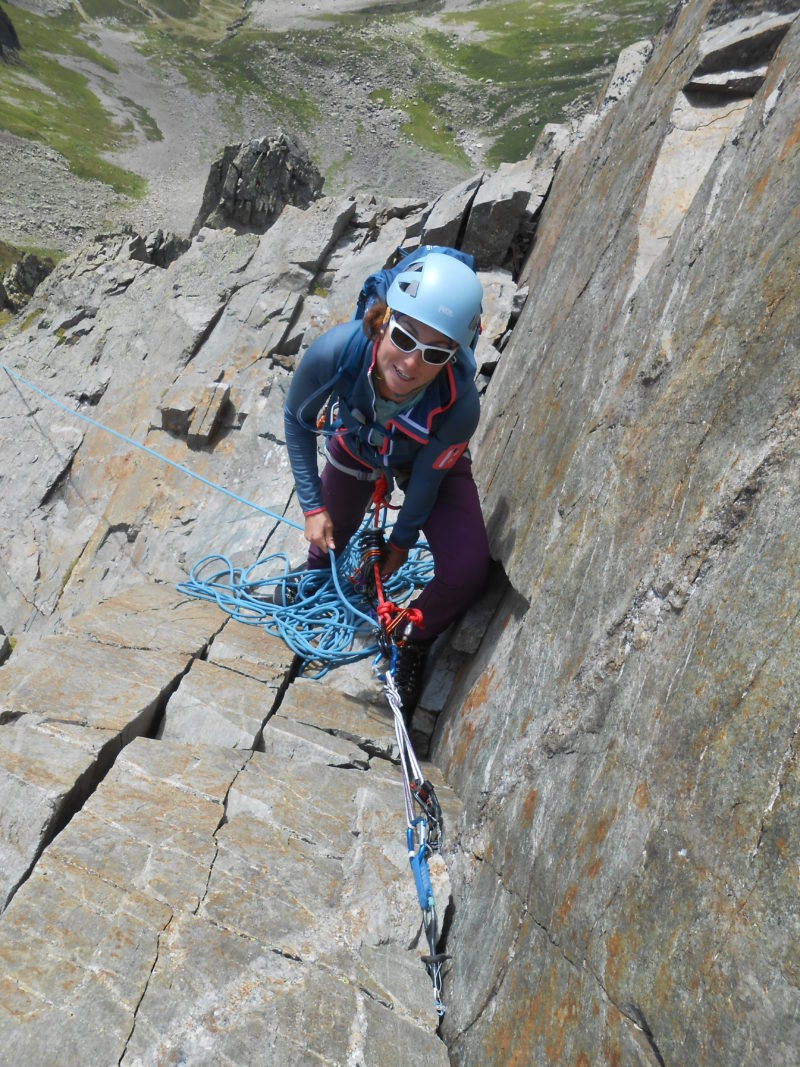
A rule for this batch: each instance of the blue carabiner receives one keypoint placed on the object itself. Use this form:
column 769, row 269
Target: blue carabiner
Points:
column 419, row 865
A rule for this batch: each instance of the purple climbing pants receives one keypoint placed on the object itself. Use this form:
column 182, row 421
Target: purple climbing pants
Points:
column 455, row 532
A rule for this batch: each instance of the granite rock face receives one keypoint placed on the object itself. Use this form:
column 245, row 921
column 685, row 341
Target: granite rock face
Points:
column 203, row 856
column 625, row 740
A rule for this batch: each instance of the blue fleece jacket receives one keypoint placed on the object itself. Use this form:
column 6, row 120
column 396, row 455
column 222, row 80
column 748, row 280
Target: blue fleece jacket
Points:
column 419, row 444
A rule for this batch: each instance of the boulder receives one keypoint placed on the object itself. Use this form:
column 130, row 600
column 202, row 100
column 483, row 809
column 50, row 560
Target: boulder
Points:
column 251, row 183
column 445, row 222
column 157, row 247
column 20, row 283
column 501, row 219
column 743, row 45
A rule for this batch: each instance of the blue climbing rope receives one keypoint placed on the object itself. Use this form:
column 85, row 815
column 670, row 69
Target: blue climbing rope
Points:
column 323, row 616
column 148, row 451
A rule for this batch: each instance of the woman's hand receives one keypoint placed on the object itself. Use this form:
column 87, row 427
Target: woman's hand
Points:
column 319, row 531
column 393, row 558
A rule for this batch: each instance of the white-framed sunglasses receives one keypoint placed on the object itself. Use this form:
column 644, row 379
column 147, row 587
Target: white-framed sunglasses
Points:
column 435, row 355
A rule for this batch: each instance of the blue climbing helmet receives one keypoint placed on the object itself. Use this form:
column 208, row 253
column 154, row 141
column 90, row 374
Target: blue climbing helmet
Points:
column 442, row 292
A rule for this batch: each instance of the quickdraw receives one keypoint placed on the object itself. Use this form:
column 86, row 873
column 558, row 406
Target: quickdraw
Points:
column 424, row 835
column 424, row 831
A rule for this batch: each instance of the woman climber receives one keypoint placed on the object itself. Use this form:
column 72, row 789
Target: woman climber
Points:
column 402, row 401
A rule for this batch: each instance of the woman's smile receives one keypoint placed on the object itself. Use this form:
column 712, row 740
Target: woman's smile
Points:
column 398, row 373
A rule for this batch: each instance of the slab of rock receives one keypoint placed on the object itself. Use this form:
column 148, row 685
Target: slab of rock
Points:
column 502, row 214
column 499, row 293
column 367, row 724
column 686, row 155
column 344, row 275
column 248, row 650
column 152, row 616
column 206, row 415
column 216, row 706
column 640, row 470
column 218, row 899
column 742, row 43
column 290, row 254
column 71, row 701
column 43, row 780
column 445, row 221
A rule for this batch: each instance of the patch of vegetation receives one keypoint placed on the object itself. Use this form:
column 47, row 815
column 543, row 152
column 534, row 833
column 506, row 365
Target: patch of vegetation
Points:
column 515, row 66
column 146, row 122
column 44, row 100
column 535, row 59
column 8, row 256
column 243, row 64
column 428, row 122
column 504, row 68
column 29, row 320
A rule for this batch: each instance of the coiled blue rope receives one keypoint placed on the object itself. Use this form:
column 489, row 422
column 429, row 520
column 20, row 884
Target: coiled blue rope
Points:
column 323, row 616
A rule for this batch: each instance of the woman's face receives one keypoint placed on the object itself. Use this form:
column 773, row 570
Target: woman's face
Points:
column 400, row 373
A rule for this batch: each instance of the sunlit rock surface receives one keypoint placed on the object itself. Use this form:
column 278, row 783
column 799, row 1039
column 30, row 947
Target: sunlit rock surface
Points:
column 203, row 856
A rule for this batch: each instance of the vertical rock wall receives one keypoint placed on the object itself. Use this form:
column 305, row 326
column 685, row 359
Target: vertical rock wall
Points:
column 626, row 739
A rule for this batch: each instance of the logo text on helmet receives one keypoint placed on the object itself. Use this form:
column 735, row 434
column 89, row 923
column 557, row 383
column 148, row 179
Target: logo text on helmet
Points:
column 445, row 310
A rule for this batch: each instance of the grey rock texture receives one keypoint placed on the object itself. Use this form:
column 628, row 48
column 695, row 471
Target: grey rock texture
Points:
column 625, row 740
column 203, row 856
column 9, row 41
column 250, row 184
column 228, row 841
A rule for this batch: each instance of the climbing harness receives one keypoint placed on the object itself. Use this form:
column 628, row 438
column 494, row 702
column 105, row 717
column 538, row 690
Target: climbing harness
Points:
column 321, row 624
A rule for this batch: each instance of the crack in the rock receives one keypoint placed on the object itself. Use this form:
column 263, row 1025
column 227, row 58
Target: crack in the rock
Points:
column 146, row 724
column 222, row 822
column 160, row 934
column 633, row 1013
column 788, row 757
column 285, row 954
column 501, row 973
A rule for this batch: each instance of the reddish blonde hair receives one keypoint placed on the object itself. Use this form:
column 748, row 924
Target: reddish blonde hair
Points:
column 374, row 319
